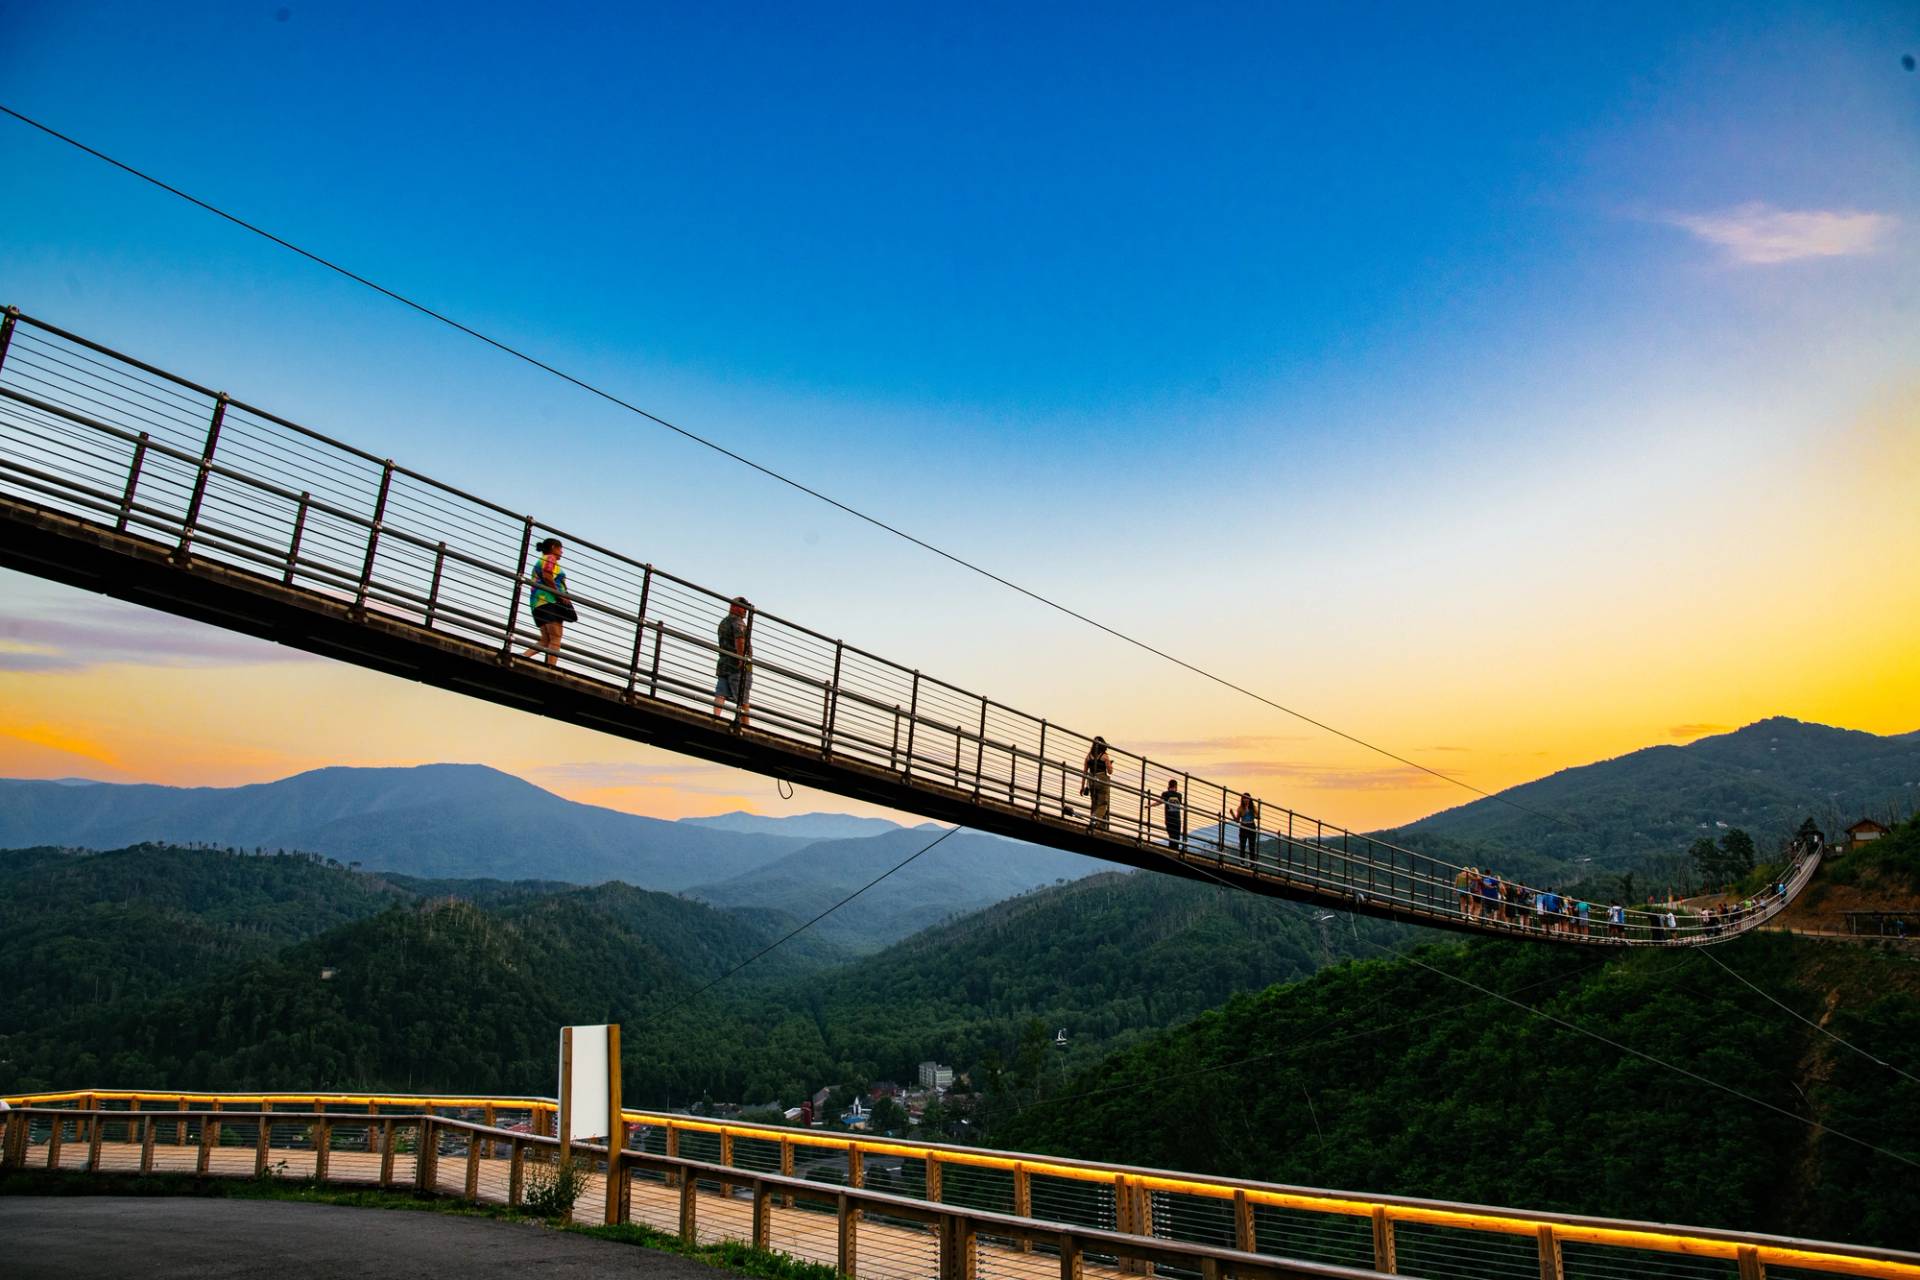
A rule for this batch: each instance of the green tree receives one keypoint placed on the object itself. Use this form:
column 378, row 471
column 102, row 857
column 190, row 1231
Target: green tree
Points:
column 1736, row 854
column 1705, row 855
column 888, row 1117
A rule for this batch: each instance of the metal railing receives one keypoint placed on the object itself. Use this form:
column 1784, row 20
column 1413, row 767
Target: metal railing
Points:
column 99, row 436
column 882, row 1207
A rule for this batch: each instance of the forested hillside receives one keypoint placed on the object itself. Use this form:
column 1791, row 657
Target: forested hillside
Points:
column 460, row 985
column 1387, row 1075
column 168, row 966
column 1652, row 803
column 964, row 872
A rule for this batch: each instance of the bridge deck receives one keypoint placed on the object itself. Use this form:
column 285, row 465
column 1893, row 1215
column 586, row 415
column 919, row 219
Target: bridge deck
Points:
column 120, row 478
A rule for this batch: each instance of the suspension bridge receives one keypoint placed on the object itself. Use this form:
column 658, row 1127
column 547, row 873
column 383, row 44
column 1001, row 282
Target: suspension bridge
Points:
column 123, row 478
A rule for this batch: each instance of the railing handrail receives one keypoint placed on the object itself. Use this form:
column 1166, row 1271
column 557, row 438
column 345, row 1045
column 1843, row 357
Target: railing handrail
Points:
column 1624, row 1232
column 954, row 1252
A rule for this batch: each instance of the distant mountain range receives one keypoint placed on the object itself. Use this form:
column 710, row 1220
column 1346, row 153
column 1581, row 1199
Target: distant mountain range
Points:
column 466, row 821
column 450, row 821
column 963, row 873
column 439, row 820
column 1766, row 778
column 814, row 826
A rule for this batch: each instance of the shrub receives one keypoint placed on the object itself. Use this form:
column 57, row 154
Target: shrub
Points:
column 552, row 1189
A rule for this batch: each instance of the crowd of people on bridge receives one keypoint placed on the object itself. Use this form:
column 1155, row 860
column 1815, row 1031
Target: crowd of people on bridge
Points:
column 1486, row 897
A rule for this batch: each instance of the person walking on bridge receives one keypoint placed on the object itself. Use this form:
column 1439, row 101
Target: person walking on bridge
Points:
column 1247, row 818
column 1173, row 812
column 1097, row 786
column 734, row 672
column 552, row 606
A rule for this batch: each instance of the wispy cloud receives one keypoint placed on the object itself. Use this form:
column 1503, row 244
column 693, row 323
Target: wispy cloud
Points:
column 1759, row 234
column 89, row 637
column 1178, row 747
column 620, row 773
column 607, row 779
column 1330, row 777
column 1697, row 730
column 61, row 740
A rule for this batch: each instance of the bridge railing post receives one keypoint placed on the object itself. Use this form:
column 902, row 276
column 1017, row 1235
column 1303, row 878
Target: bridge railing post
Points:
column 913, row 721
column 1551, row 1267
column 293, row 545
column 6, row 333
column 980, row 748
column 519, row 583
column 1384, row 1259
column 373, row 537
column 832, row 700
column 1040, row 770
column 185, row 547
column 433, row 588
column 639, row 628
column 133, row 482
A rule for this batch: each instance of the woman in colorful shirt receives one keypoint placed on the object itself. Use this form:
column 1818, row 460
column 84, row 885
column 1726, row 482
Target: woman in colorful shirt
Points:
column 552, row 606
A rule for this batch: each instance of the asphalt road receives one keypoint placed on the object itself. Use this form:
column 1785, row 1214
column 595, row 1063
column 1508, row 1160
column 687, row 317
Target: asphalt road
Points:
column 161, row 1238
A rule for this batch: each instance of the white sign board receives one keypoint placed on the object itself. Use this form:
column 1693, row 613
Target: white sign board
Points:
column 586, row 1090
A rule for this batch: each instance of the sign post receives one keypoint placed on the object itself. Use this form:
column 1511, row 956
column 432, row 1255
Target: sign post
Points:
column 590, row 1101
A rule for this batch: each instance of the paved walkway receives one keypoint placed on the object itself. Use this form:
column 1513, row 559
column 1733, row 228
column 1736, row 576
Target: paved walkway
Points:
column 182, row 1238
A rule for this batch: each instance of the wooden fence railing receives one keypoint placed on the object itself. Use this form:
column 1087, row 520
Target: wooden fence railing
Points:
column 881, row 1207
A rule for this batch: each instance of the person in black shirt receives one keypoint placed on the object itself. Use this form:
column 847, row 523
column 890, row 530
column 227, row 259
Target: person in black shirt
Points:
column 734, row 672
column 1175, row 815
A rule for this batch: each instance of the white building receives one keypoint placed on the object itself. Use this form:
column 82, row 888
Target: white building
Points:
column 935, row 1076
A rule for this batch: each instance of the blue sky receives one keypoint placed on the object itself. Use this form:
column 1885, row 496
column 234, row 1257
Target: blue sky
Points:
column 1441, row 340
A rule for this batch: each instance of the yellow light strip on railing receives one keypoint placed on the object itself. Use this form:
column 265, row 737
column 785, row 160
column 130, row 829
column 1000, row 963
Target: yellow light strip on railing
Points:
column 328, row 1099
column 1615, row 1237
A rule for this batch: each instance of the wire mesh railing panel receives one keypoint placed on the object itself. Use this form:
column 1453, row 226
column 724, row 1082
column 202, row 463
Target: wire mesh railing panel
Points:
column 971, row 1187
column 1194, row 1219
column 1315, row 1237
column 652, row 1200
column 449, row 1167
column 892, row 1249
column 703, row 1147
column 760, row 1155
column 591, row 1206
column 494, row 1185
column 998, row 1259
column 1582, row 1261
column 807, row 1229
column 1447, row 1253
column 1073, row 1201
column 724, row 1217
column 353, row 1151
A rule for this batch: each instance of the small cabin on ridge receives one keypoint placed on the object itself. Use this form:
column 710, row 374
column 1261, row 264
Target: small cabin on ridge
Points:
column 1864, row 831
